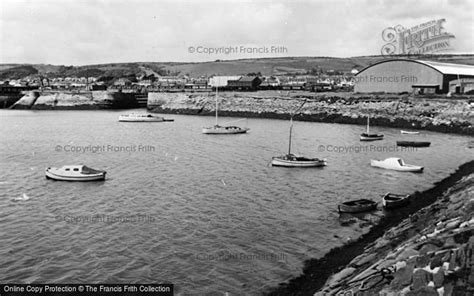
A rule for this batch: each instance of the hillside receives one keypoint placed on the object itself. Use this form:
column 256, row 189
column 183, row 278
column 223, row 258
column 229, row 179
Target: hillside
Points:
column 265, row 66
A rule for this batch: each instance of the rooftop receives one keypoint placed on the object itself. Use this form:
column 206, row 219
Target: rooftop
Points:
column 447, row 68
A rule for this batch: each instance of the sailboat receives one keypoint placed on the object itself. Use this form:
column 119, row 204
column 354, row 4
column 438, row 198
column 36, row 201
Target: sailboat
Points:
column 291, row 160
column 217, row 129
column 367, row 136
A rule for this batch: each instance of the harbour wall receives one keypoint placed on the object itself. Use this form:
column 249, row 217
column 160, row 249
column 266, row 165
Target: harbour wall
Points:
column 7, row 100
column 447, row 115
column 87, row 100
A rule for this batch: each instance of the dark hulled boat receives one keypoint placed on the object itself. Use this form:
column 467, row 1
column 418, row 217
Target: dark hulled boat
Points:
column 356, row 206
column 413, row 143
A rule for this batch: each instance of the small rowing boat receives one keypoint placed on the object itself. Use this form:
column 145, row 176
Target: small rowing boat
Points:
column 409, row 133
column 393, row 200
column 357, row 206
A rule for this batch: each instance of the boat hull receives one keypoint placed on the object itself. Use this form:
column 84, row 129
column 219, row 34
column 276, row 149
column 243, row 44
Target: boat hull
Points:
column 357, row 206
column 405, row 168
column 141, row 120
column 413, row 144
column 78, row 178
column 409, row 133
column 276, row 161
column 224, row 130
column 393, row 201
column 371, row 137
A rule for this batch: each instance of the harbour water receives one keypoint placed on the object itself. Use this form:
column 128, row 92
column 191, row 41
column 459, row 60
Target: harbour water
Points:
column 206, row 213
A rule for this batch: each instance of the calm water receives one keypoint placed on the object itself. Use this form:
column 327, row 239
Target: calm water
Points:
column 204, row 212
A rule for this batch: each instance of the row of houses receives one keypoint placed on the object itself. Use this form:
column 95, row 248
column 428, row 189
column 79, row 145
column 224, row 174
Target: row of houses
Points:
column 151, row 82
column 243, row 83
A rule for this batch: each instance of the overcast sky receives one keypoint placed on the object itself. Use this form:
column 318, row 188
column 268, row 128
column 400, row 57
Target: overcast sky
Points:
column 79, row 32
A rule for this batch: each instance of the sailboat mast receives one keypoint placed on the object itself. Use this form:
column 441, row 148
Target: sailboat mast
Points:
column 368, row 120
column 217, row 105
column 291, row 128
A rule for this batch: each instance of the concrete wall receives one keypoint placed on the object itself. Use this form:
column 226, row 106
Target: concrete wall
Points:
column 76, row 100
column 396, row 77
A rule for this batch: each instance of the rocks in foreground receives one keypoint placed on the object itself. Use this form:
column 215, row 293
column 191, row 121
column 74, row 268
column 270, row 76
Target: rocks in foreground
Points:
column 433, row 253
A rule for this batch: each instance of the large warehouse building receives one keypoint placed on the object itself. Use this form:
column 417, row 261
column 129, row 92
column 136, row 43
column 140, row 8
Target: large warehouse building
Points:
column 396, row 76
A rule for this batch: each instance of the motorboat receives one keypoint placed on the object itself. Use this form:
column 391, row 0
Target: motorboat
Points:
column 291, row 160
column 409, row 133
column 413, row 143
column 395, row 163
column 367, row 136
column 393, row 200
column 75, row 173
column 134, row 117
column 217, row 129
column 357, row 206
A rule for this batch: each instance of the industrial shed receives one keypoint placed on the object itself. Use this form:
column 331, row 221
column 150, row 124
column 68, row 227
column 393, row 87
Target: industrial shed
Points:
column 396, row 76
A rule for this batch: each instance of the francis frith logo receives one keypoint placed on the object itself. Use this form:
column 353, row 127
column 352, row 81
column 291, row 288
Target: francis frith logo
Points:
column 425, row 38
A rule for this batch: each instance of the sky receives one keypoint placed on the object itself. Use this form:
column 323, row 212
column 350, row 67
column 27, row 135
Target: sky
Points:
column 82, row 32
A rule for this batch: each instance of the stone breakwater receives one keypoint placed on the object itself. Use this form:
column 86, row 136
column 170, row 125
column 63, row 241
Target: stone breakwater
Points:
column 402, row 111
column 49, row 100
column 417, row 250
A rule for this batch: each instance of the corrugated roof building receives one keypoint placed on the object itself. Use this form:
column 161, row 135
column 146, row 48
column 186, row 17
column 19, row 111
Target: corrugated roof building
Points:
column 396, row 76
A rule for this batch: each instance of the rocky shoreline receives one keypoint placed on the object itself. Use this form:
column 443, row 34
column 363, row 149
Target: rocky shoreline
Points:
column 84, row 100
column 425, row 248
column 440, row 114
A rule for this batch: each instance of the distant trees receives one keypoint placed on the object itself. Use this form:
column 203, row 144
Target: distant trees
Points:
column 18, row 72
column 91, row 72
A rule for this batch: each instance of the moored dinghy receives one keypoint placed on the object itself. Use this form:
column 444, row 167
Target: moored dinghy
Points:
column 408, row 132
column 357, row 206
column 395, row 163
column 75, row 173
column 393, row 200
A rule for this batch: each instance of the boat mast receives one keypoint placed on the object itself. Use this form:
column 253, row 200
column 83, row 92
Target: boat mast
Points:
column 291, row 125
column 291, row 128
column 368, row 120
column 216, row 104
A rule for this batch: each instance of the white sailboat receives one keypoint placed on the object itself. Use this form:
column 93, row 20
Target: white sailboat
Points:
column 367, row 136
column 291, row 160
column 134, row 117
column 217, row 129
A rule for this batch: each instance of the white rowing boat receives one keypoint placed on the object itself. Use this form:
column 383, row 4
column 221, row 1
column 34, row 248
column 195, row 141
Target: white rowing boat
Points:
column 409, row 133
